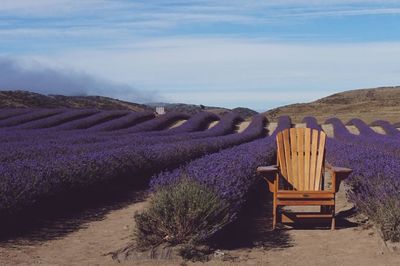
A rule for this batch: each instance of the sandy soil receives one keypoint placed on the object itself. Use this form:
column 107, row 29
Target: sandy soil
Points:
column 379, row 130
column 88, row 244
column 253, row 242
column 271, row 127
column 213, row 124
column 328, row 129
column 178, row 123
column 353, row 130
column 243, row 125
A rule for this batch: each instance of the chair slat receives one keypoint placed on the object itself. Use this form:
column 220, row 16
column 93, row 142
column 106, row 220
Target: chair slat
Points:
column 300, row 157
column 320, row 160
column 293, row 145
column 314, row 150
column 287, row 157
column 307, row 155
column 281, row 154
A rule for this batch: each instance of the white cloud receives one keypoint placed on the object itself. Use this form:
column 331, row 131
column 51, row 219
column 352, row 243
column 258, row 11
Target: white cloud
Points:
column 31, row 75
column 187, row 68
column 56, row 8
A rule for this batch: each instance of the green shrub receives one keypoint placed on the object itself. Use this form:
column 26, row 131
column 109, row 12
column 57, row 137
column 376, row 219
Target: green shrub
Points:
column 183, row 213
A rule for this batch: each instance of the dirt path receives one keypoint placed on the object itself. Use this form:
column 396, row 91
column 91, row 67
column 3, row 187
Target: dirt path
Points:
column 243, row 125
column 86, row 246
column 253, row 243
column 350, row 244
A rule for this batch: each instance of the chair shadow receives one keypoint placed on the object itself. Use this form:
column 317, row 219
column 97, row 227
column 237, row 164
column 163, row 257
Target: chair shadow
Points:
column 58, row 217
column 254, row 225
column 342, row 222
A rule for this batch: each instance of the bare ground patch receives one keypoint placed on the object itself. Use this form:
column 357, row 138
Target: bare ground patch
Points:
column 91, row 238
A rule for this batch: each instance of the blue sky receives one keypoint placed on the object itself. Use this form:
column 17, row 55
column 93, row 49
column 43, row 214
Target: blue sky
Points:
column 258, row 54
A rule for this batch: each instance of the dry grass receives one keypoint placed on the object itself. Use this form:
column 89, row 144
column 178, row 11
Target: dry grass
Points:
column 367, row 104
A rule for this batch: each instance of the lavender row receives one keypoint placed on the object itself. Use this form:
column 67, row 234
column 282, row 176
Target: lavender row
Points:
column 197, row 122
column 377, row 142
column 58, row 119
column 44, row 135
column 375, row 180
column 7, row 113
column 375, row 183
column 229, row 173
column 159, row 123
column 89, row 143
column 389, row 129
column 27, row 117
column 126, row 121
column 25, row 181
column 89, row 136
column 363, row 128
column 92, row 120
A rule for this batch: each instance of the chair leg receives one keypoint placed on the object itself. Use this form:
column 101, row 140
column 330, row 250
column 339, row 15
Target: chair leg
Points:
column 274, row 214
column 333, row 223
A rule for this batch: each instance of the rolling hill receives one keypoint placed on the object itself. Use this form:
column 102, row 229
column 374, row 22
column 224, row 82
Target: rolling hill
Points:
column 367, row 104
column 26, row 99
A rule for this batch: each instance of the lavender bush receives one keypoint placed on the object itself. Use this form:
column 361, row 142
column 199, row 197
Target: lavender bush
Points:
column 58, row 119
column 64, row 164
column 7, row 113
column 375, row 179
column 366, row 138
column 161, row 122
column 126, row 121
column 77, row 142
column 180, row 213
column 229, row 174
column 27, row 117
column 93, row 120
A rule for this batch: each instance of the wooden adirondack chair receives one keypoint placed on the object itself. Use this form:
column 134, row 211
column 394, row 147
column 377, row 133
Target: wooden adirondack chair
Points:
column 298, row 179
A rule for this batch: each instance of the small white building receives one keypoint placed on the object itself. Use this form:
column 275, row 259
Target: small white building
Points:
column 160, row 110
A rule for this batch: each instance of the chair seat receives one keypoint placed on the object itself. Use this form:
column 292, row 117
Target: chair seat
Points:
column 293, row 194
column 294, row 198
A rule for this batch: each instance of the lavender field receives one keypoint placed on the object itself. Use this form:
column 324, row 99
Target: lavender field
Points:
column 51, row 152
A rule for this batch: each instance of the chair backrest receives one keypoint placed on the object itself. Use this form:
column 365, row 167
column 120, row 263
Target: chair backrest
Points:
column 301, row 154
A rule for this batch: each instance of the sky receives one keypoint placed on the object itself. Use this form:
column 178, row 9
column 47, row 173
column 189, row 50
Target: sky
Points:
column 230, row 53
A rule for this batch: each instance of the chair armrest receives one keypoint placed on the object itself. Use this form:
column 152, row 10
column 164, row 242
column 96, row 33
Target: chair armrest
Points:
column 267, row 169
column 269, row 173
column 341, row 170
column 338, row 174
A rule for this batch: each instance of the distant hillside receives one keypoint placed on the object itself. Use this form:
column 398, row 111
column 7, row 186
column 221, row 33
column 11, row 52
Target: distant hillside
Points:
column 367, row 104
column 188, row 108
column 26, row 99
column 192, row 109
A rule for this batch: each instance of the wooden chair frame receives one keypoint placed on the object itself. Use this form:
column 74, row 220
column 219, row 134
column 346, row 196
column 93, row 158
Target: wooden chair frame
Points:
column 300, row 170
